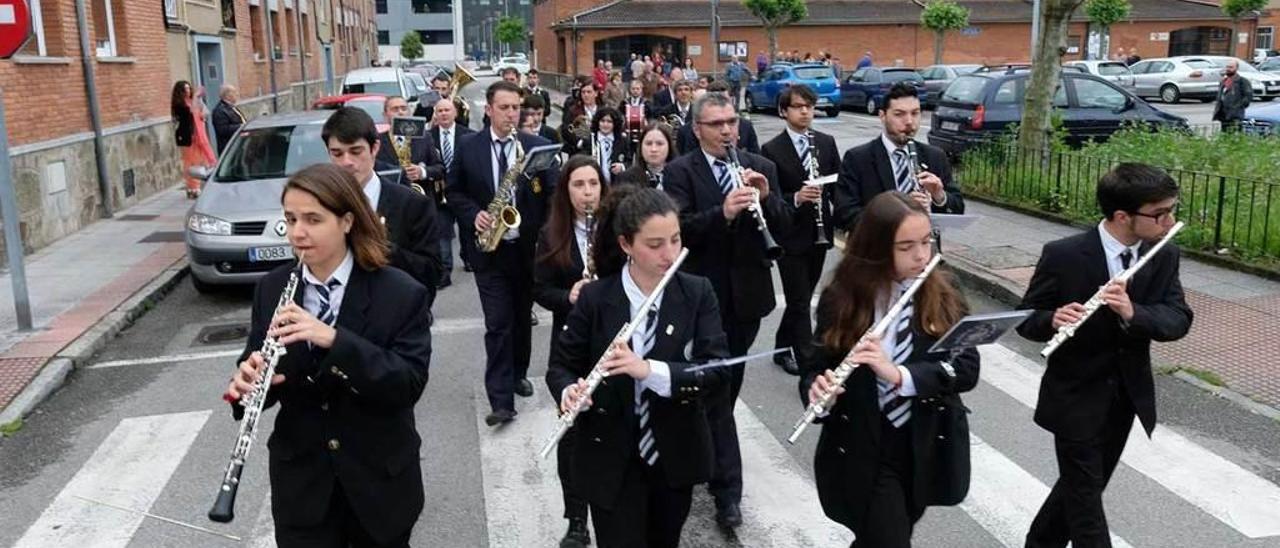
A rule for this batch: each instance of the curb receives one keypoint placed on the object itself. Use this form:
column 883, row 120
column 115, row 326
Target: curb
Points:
column 76, row 354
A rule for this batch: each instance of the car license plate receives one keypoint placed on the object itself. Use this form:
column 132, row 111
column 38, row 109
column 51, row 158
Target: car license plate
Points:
column 1273, row 88
column 822, row 102
column 951, row 126
column 273, row 253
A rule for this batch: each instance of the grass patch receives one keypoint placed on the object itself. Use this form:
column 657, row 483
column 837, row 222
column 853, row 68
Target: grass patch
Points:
column 1207, row 376
column 10, row 428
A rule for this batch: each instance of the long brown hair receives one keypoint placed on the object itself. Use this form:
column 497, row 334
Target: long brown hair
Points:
column 559, row 232
column 337, row 191
column 865, row 273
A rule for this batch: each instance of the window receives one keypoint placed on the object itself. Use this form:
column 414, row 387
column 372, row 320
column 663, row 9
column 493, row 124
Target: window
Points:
column 255, row 31
column 171, row 9
column 902, row 76
column 1007, row 93
column 228, row 14
column 306, row 41
column 40, row 43
column 436, row 36
column 432, row 6
column 290, row 24
column 380, row 6
column 104, row 28
column 1265, row 38
column 1095, row 94
column 965, row 89
column 384, row 38
column 1112, row 69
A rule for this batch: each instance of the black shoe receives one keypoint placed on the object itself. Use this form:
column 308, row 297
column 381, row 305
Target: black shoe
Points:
column 577, row 535
column 788, row 364
column 501, row 416
column 524, row 388
column 729, row 516
column 444, row 282
column 533, row 318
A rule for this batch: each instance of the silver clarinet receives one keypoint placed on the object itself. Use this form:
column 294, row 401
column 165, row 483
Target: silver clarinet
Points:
column 589, row 262
column 253, row 402
column 812, row 167
column 847, row 365
column 913, row 164
column 1095, row 302
column 565, row 421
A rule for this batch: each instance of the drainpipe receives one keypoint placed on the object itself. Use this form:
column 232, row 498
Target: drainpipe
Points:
column 575, row 45
column 302, row 54
column 95, row 116
column 271, row 52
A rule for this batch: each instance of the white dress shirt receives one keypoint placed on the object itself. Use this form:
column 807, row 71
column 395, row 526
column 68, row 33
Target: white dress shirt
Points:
column 512, row 233
column 373, row 191
column 1114, row 249
column 659, row 379
column 311, row 297
column 889, row 342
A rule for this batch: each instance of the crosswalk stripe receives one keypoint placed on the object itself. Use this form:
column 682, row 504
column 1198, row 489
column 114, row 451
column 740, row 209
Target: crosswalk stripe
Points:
column 1235, row 496
column 1004, row 498
column 130, row 469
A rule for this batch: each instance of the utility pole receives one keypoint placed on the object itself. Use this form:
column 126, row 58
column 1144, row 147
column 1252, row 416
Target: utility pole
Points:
column 271, row 55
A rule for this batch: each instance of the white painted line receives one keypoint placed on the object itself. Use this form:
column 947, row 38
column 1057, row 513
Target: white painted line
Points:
column 130, row 469
column 1004, row 498
column 1235, row 496
column 167, row 359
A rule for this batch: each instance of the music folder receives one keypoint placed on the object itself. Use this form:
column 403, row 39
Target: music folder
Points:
column 541, row 157
column 977, row 330
column 409, row 126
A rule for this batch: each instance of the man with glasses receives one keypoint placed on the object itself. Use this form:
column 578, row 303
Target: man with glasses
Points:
column 726, row 246
column 747, row 140
column 1099, row 379
column 801, row 266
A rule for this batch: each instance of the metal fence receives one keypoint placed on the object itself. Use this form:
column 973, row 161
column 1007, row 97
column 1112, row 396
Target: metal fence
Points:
column 1224, row 215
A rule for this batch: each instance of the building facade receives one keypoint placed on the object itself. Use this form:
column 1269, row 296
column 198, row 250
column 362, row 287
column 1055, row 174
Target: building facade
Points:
column 137, row 50
column 433, row 20
column 479, row 17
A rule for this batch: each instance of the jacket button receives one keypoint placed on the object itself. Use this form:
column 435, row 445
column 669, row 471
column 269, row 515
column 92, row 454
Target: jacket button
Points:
column 844, row 417
column 597, row 440
column 841, row 450
column 334, row 370
column 324, row 406
column 601, row 411
column 334, row 445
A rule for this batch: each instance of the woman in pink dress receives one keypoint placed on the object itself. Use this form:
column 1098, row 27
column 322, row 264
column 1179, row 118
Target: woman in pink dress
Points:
column 190, row 136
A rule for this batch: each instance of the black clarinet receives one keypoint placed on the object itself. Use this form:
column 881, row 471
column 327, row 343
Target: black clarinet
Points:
column 771, row 248
column 820, row 241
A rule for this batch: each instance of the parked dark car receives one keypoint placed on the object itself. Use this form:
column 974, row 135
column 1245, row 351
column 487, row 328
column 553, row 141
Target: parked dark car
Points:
column 866, row 87
column 938, row 77
column 762, row 92
column 1262, row 120
column 981, row 106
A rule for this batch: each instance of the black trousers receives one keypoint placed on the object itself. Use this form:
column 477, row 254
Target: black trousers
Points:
column 648, row 513
column 574, row 506
column 339, row 529
column 726, row 478
column 800, row 275
column 892, row 512
column 506, row 297
column 1073, row 511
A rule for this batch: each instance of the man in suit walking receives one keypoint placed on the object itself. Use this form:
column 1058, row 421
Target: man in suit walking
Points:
column 534, row 107
column 726, row 246
column 882, row 164
column 1234, row 95
column 425, row 165
column 504, row 277
column 227, row 119
column 447, row 132
column 1099, row 379
column 533, row 87
column 801, row 265
column 352, row 140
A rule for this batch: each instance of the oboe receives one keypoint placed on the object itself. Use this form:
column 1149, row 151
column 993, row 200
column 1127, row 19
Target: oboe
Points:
column 253, row 402
column 771, row 248
column 821, row 239
column 1095, row 302
column 847, row 365
column 565, row 421
column 589, row 263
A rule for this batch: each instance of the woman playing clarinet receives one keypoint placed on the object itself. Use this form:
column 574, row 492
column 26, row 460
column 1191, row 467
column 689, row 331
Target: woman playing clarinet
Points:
column 876, row 462
column 643, row 441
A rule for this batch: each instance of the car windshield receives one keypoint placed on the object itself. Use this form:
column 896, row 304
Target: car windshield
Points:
column 902, row 76
column 272, row 153
column 813, row 73
column 1200, row 64
column 965, row 89
column 389, row 87
column 1112, row 69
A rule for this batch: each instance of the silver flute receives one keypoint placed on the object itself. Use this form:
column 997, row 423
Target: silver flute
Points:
column 812, row 167
column 1066, row 331
column 565, row 421
column 253, row 402
column 771, row 248
column 847, row 365
column 589, row 263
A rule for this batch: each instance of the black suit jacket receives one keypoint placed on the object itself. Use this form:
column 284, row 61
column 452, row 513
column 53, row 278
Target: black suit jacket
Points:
column 664, row 98
column 730, row 254
column 791, row 177
column 410, row 219
column 422, row 150
column 549, row 133
column 686, row 142
column 637, row 174
column 848, row 455
column 688, row 330
column 459, row 131
column 866, row 171
column 1104, row 355
column 358, row 394
column 226, row 122
column 551, row 283
column 471, row 187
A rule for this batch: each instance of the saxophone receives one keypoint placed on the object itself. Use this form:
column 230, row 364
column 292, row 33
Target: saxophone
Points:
column 505, row 216
column 403, row 154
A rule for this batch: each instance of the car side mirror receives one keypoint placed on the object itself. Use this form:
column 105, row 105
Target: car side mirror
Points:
column 1128, row 105
column 200, row 172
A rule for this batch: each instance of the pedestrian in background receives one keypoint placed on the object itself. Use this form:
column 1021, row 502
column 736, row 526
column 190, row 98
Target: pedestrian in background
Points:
column 1234, row 95
column 762, row 62
column 190, row 135
column 227, row 119
column 614, row 92
column 865, row 61
column 690, row 73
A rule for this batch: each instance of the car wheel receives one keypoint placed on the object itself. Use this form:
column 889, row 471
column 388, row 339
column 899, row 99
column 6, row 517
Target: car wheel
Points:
column 871, row 105
column 1169, row 93
column 833, row 112
column 748, row 104
column 202, row 287
column 1266, row 99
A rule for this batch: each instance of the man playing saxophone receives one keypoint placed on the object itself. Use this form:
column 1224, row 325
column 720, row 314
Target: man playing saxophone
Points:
column 504, row 276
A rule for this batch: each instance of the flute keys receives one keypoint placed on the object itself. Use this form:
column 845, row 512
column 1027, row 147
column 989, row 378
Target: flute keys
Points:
column 334, row 445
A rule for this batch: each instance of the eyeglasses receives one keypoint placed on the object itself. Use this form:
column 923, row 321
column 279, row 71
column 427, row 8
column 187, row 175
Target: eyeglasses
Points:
column 728, row 122
column 800, row 106
column 1161, row 218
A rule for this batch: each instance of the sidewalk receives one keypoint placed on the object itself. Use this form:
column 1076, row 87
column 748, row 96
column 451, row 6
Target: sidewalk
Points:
column 1237, row 316
column 83, row 289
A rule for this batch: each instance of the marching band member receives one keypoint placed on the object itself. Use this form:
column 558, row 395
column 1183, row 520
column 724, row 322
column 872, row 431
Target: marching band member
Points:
column 504, row 278
column 425, row 165
column 657, row 149
column 686, row 138
column 725, row 243
column 1100, row 378
column 877, row 463
column 343, row 463
column 558, row 279
column 609, row 142
column 801, row 265
column 447, row 132
column 645, row 441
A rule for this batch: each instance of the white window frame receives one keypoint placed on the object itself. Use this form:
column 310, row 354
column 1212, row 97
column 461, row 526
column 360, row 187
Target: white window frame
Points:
column 1270, row 33
column 37, row 24
column 110, row 49
column 171, row 6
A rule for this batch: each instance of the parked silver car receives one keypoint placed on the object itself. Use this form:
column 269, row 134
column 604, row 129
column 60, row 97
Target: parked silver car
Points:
column 1115, row 71
column 938, row 77
column 1265, row 86
column 236, row 230
column 1270, row 66
column 1174, row 78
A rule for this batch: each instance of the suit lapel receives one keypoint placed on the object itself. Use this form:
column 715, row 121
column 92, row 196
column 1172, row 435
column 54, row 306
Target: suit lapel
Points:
column 704, row 171
column 883, row 166
column 788, row 154
column 1095, row 259
column 355, row 299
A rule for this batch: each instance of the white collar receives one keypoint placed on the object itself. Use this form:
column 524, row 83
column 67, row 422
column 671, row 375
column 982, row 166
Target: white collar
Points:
column 796, row 136
column 634, row 294
column 447, row 129
column 495, row 138
column 1114, row 247
column 711, row 160
column 342, row 273
column 373, row 190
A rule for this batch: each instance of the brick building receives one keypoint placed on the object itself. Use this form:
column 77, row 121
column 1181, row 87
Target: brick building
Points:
column 138, row 48
column 999, row 31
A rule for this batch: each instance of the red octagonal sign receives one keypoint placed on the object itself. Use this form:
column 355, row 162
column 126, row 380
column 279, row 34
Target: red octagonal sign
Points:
column 15, row 26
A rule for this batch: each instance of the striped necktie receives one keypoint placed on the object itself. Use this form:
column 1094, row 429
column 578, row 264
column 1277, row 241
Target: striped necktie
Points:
column 326, row 314
column 900, row 172
column 648, row 447
column 722, row 177
column 606, row 152
column 803, row 140
column 898, row 408
column 446, row 138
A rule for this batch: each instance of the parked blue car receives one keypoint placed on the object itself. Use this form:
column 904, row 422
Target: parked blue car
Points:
column 1262, row 119
column 866, row 87
column 762, row 92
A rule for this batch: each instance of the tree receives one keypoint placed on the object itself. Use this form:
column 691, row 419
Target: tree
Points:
column 1106, row 13
column 509, row 31
column 1046, row 63
column 941, row 16
column 1237, row 10
column 410, row 46
column 775, row 14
